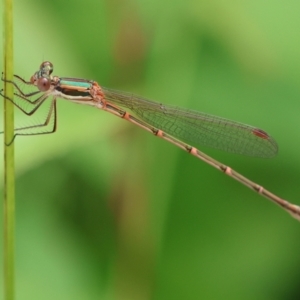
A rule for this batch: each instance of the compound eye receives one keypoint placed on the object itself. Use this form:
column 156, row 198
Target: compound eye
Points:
column 47, row 67
column 33, row 79
column 43, row 84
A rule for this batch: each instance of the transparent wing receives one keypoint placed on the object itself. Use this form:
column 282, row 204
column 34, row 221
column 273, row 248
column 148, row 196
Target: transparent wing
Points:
column 197, row 127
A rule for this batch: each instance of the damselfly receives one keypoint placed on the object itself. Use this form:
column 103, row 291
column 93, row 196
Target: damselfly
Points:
column 177, row 125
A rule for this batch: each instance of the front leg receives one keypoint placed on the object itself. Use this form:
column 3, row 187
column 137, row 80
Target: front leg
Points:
column 17, row 84
column 23, row 100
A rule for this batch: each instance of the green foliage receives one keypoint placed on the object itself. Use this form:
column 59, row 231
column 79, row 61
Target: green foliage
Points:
column 107, row 211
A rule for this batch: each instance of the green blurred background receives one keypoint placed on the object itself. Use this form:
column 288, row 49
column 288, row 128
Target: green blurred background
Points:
column 107, row 211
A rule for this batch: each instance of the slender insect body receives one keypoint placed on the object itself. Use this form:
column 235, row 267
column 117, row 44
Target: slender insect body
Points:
column 179, row 126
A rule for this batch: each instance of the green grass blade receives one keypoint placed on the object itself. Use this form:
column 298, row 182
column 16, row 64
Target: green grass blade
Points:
column 9, row 174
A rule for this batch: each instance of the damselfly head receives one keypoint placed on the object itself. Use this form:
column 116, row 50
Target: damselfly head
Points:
column 42, row 83
column 42, row 78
